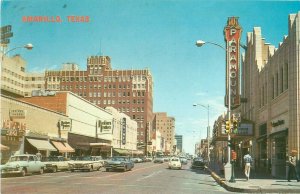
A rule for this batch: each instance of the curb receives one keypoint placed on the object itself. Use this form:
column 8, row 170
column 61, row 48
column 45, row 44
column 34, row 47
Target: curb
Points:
column 222, row 182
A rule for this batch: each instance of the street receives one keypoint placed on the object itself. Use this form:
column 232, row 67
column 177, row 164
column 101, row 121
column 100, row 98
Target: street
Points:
column 144, row 178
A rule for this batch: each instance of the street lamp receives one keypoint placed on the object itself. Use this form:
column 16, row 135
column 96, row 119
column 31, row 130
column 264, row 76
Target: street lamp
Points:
column 200, row 43
column 208, row 129
column 28, row 46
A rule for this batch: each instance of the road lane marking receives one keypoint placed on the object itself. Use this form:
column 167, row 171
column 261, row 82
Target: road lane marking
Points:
column 150, row 175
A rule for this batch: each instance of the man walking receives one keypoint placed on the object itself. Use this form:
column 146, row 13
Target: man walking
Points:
column 292, row 166
column 248, row 161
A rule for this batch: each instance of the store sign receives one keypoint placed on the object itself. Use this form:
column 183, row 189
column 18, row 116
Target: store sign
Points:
column 277, row 123
column 105, row 127
column 13, row 128
column 124, row 131
column 232, row 33
column 65, row 125
column 18, row 114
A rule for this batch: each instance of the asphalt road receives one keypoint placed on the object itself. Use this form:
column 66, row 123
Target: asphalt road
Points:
column 144, row 178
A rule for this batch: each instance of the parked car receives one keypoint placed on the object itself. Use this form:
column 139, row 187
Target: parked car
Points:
column 22, row 165
column 183, row 160
column 148, row 159
column 55, row 163
column 88, row 163
column 198, row 163
column 120, row 163
column 158, row 160
column 175, row 163
column 136, row 160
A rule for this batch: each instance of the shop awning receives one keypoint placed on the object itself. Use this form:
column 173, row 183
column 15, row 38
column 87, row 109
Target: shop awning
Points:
column 41, row 144
column 3, row 147
column 69, row 147
column 62, row 148
column 121, row 151
column 137, row 152
column 100, row 145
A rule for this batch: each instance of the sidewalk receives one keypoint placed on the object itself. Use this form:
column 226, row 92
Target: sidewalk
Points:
column 258, row 183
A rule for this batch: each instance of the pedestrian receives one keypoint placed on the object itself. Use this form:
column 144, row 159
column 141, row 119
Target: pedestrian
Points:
column 248, row 161
column 39, row 155
column 292, row 166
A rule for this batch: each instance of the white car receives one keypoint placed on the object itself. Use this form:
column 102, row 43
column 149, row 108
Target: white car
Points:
column 89, row 163
column 175, row 163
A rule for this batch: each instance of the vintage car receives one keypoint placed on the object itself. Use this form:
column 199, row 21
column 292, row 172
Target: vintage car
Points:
column 55, row 163
column 183, row 160
column 136, row 160
column 120, row 163
column 88, row 163
column 198, row 163
column 23, row 164
column 158, row 159
column 175, row 163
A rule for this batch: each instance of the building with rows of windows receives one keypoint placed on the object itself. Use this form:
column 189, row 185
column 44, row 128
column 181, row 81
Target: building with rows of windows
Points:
column 129, row 91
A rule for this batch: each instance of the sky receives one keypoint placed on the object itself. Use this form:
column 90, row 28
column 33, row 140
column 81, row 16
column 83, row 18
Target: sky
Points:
column 159, row 35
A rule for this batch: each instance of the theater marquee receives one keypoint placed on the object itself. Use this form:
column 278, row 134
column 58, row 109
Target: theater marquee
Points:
column 232, row 33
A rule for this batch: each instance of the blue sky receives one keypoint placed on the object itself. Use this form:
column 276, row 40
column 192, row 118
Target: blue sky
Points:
column 155, row 34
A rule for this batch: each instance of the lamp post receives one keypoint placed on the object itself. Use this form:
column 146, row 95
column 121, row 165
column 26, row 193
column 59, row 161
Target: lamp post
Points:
column 200, row 43
column 208, row 129
column 28, row 46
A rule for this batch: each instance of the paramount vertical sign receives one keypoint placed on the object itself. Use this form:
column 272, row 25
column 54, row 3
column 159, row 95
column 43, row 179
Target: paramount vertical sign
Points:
column 232, row 33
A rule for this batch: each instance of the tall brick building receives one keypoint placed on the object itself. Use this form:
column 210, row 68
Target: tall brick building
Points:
column 166, row 126
column 129, row 91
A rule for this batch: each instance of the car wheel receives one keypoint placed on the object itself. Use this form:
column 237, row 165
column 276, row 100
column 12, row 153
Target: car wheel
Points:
column 72, row 170
column 41, row 170
column 54, row 170
column 107, row 169
column 23, row 172
column 91, row 169
column 125, row 168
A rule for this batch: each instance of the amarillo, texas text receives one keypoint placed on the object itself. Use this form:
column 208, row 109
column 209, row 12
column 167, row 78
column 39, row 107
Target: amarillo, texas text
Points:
column 56, row 19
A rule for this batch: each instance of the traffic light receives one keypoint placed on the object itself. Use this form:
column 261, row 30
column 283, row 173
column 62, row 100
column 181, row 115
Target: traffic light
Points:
column 235, row 126
column 230, row 143
column 227, row 126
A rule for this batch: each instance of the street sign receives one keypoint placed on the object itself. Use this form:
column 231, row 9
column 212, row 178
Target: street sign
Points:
column 5, row 29
column 4, row 41
column 5, row 34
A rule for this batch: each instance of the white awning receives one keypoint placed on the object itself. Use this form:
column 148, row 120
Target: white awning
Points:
column 41, row 144
column 100, row 144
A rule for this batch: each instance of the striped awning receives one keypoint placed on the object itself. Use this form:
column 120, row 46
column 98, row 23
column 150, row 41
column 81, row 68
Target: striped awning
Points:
column 41, row 144
column 62, row 148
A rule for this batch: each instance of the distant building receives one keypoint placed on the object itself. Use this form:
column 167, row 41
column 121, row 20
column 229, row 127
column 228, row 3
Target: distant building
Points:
column 166, row 126
column 179, row 142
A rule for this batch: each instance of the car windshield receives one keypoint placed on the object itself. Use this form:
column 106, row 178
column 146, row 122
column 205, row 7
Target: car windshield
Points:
column 18, row 158
column 118, row 159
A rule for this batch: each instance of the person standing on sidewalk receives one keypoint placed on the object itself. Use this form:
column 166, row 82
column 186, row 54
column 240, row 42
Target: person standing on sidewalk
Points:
column 292, row 166
column 248, row 161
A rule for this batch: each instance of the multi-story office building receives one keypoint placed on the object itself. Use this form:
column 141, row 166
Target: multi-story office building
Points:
column 179, row 142
column 34, row 81
column 166, row 126
column 270, row 83
column 13, row 75
column 129, row 91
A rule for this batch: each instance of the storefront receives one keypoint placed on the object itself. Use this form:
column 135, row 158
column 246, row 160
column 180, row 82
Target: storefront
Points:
column 279, row 146
column 87, row 146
